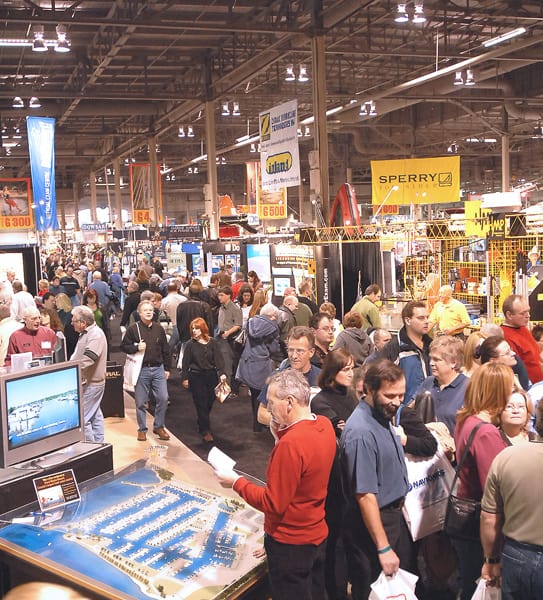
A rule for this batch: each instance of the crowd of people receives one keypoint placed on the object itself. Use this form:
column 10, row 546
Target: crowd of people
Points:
column 346, row 402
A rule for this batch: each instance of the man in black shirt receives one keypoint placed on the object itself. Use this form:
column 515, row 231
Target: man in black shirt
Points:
column 72, row 286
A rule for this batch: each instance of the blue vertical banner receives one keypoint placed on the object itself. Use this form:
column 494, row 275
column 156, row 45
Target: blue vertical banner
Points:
column 41, row 146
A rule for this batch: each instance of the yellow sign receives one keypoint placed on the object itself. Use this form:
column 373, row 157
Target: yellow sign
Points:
column 142, row 216
column 415, row 180
column 477, row 219
column 265, row 131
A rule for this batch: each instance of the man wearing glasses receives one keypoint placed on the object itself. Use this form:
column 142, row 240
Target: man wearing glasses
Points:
column 300, row 349
column 323, row 328
column 33, row 337
column 516, row 312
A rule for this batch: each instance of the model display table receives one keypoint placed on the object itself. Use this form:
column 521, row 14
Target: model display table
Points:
column 143, row 534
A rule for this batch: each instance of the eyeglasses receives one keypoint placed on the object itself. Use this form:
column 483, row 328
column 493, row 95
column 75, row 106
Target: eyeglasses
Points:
column 506, row 353
column 297, row 351
column 327, row 329
column 515, row 407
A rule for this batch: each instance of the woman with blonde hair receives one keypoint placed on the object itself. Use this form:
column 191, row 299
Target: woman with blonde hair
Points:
column 472, row 358
column 260, row 299
column 487, row 394
column 64, row 308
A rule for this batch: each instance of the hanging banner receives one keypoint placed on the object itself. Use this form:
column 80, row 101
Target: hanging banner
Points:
column 269, row 205
column 415, row 181
column 279, row 158
column 15, row 204
column 41, row 147
column 141, row 193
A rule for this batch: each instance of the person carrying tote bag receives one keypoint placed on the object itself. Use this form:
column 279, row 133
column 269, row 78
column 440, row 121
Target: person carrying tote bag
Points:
column 487, row 394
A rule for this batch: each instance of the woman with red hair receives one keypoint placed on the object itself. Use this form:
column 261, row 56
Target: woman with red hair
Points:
column 201, row 368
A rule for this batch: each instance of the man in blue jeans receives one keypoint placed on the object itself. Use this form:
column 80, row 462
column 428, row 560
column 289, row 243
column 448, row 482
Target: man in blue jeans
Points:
column 148, row 336
column 511, row 528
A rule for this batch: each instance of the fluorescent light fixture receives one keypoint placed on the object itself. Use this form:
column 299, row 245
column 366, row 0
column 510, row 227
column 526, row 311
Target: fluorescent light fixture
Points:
column 290, row 73
column 475, row 140
column 402, row 16
column 504, row 37
column 243, row 138
column 34, row 102
column 302, row 77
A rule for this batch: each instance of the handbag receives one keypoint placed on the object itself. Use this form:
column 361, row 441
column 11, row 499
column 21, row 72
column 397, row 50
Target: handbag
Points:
column 462, row 519
column 222, row 391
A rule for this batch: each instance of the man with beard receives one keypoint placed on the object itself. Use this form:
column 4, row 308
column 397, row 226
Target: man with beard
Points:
column 376, row 480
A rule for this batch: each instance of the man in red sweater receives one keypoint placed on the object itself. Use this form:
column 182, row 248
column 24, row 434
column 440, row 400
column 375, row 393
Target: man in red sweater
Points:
column 516, row 312
column 293, row 499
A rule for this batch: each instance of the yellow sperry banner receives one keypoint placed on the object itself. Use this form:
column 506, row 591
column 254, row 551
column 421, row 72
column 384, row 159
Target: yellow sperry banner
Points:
column 415, row 180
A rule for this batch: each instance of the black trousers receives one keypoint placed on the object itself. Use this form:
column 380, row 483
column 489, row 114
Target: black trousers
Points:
column 362, row 558
column 295, row 572
column 202, row 387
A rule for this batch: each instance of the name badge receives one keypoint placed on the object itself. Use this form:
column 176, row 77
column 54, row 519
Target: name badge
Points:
column 46, row 345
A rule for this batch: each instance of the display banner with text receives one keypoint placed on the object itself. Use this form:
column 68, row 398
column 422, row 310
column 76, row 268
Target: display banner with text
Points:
column 279, row 158
column 415, row 181
column 15, row 201
column 41, row 147
column 269, row 205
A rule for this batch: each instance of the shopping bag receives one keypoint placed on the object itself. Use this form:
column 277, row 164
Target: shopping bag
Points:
column 484, row 592
column 430, row 481
column 132, row 369
column 400, row 586
column 222, row 391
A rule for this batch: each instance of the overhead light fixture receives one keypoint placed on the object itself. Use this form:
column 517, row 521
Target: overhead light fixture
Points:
column 181, row 132
column 190, row 131
column 368, row 109
column 38, row 45
column 307, row 132
column 469, row 77
column 235, row 109
column 302, row 77
column 401, row 16
column 458, row 79
column 536, row 135
column 504, row 37
column 34, row 102
column 18, row 102
column 290, row 73
column 453, row 148
column 62, row 44
column 419, row 17
column 300, row 134
column 225, row 109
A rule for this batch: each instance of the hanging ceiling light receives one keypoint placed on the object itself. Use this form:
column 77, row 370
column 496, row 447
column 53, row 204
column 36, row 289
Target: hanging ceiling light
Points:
column 538, row 132
column 181, row 133
column 419, row 17
column 368, row 109
column 190, row 131
column 469, row 77
column 62, row 44
column 235, row 110
column 18, row 102
column 34, row 102
column 302, row 77
column 300, row 132
column 401, row 16
column 290, row 73
column 225, row 109
column 458, row 79
column 307, row 131
column 38, row 45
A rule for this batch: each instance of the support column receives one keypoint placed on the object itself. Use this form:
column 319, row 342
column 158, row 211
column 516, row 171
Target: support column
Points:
column 94, row 216
column 506, row 175
column 75, row 192
column 211, row 188
column 319, row 112
column 118, row 197
column 154, row 204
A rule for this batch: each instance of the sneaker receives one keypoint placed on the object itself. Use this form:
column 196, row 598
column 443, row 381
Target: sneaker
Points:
column 162, row 433
column 142, row 436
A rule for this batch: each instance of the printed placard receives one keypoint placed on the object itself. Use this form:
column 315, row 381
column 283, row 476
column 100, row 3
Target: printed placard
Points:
column 56, row 490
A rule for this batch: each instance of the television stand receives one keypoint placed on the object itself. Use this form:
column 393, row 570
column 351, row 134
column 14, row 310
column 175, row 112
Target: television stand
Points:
column 46, row 461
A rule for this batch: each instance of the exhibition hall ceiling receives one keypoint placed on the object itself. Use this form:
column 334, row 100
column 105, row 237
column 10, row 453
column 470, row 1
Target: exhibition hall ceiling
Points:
column 138, row 70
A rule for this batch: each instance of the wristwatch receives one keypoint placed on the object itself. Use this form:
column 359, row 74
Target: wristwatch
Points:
column 492, row 560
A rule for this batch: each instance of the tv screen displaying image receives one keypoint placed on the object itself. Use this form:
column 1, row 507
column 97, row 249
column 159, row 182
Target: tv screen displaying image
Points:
column 41, row 412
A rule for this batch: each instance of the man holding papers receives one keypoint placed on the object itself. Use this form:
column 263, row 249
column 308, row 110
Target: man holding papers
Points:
column 293, row 499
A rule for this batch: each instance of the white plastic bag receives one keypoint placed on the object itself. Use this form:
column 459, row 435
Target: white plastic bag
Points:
column 484, row 592
column 430, row 481
column 400, row 586
column 132, row 369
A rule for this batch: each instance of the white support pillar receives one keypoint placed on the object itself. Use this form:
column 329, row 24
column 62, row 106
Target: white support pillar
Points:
column 118, row 197
column 93, row 201
column 211, row 190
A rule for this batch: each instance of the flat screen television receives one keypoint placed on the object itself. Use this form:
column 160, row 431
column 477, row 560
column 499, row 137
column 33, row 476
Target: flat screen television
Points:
column 41, row 413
